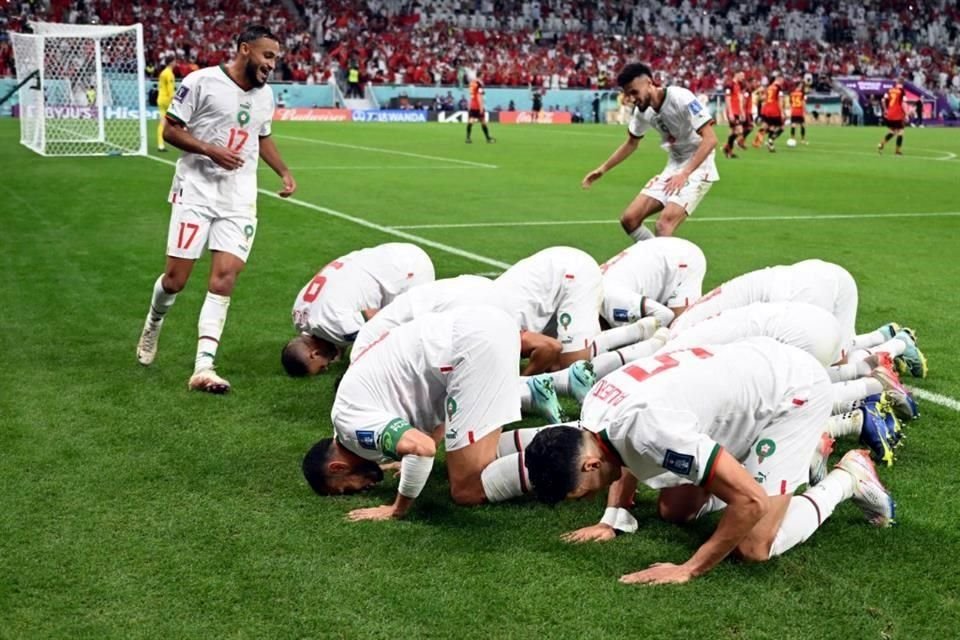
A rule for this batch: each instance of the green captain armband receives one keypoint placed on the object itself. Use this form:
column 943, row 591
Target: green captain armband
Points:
column 391, row 435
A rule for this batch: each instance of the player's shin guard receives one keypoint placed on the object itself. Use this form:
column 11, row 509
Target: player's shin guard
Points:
column 486, row 132
column 213, row 314
column 808, row 511
column 887, row 138
column 899, row 142
column 505, row 478
column 845, row 394
column 627, row 334
column 160, row 302
column 849, row 371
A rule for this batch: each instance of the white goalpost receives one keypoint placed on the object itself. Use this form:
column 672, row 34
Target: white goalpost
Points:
column 83, row 89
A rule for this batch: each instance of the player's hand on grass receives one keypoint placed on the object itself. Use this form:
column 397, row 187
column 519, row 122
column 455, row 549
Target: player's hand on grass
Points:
column 224, row 157
column 659, row 573
column 591, row 177
column 384, row 512
column 676, row 183
column 595, row 533
column 289, row 185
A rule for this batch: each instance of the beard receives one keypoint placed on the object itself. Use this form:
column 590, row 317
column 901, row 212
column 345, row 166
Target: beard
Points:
column 251, row 71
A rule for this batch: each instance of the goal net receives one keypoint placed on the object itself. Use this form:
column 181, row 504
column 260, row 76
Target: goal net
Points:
column 83, row 91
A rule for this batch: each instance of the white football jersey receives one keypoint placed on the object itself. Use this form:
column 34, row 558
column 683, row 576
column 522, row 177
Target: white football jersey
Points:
column 678, row 121
column 331, row 305
column 560, row 283
column 216, row 110
column 430, row 297
column 456, row 368
column 656, row 268
column 804, row 326
column 673, row 412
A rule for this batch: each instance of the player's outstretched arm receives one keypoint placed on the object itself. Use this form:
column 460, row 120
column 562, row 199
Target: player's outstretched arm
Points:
column 708, row 142
column 271, row 155
column 416, row 450
column 616, row 518
column 746, row 505
column 176, row 133
column 622, row 153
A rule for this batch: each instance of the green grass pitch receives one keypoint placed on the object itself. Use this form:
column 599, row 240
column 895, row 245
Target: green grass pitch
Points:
column 131, row 508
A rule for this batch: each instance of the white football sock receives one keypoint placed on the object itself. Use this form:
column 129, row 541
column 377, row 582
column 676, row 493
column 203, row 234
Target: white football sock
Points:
column 808, row 511
column 160, row 302
column 526, row 396
column 213, row 314
column 619, row 336
column 895, row 347
column 606, row 363
column 845, row 424
column 505, row 478
column 517, row 440
column 640, row 234
column 849, row 371
column 845, row 394
column 867, row 340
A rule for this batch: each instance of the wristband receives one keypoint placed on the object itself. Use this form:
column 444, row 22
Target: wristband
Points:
column 414, row 471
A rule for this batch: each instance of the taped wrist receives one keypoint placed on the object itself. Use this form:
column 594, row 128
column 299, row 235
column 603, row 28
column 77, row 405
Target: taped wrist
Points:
column 414, row 471
column 621, row 520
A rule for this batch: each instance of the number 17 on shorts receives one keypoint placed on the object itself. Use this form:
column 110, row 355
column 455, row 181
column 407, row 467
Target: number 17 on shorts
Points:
column 192, row 226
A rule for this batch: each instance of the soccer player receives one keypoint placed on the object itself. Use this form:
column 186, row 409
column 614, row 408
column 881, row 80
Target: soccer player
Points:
column 686, row 128
column 731, row 427
column 824, row 284
column 537, row 103
column 798, row 111
column 771, row 113
column 894, row 115
column 476, row 111
column 220, row 117
column 331, row 309
column 449, row 377
column 166, row 86
column 736, row 114
column 659, row 277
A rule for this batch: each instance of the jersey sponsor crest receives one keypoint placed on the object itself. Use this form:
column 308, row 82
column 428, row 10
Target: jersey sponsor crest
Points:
column 695, row 107
column 391, row 436
column 181, row 93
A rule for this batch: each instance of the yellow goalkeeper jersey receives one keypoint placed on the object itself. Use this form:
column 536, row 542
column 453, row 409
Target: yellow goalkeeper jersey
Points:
column 166, row 87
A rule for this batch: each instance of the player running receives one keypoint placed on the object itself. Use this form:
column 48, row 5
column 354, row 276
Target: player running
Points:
column 731, row 427
column 449, row 377
column 736, row 114
column 166, row 86
column 894, row 115
column 331, row 309
column 476, row 111
column 798, row 112
column 220, row 117
column 686, row 129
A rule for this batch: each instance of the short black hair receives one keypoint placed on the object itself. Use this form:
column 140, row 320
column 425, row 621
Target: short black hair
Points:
column 631, row 71
column 552, row 460
column 293, row 364
column 315, row 466
column 253, row 32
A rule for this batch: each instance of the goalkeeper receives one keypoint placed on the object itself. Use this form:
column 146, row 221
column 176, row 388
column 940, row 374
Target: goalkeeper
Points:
column 166, row 87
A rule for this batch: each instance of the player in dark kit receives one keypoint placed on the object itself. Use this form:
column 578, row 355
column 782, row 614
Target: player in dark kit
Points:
column 476, row 111
column 736, row 115
column 537, row 104
column 894, row 115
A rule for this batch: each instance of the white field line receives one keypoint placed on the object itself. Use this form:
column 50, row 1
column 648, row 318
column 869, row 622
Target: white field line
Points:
column 383, row 167
column 469, row 163
column 929, row 396
column 372, row 225
column 936, row 398
column 613, row 220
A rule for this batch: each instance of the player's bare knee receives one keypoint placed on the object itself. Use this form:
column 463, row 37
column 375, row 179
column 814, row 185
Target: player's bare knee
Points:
column 467, row 494
column 173, row 282
column 666, row 225
column 222, row 283
column 753, row 550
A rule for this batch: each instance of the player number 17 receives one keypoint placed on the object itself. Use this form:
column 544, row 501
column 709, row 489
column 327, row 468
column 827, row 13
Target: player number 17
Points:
column 238, row 138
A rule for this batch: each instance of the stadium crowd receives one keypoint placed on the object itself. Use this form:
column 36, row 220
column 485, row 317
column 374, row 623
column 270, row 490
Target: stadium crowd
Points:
column 548, row 43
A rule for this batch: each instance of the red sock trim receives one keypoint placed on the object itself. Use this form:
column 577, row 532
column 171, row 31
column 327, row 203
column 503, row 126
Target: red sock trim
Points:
column 523, row 476
column 815, row 506
column 211, row 339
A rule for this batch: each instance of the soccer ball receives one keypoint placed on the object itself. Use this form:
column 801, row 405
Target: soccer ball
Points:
column 791, row 142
